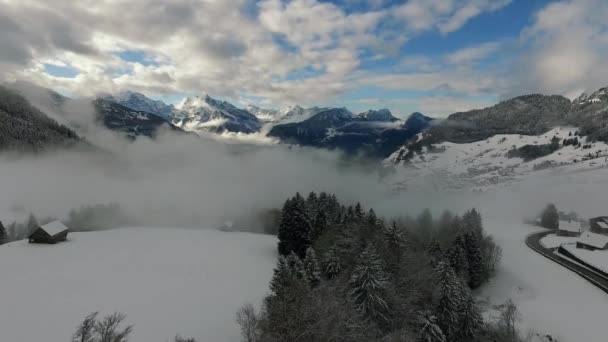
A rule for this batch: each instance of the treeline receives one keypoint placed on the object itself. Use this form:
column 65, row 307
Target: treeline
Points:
column 345, row 274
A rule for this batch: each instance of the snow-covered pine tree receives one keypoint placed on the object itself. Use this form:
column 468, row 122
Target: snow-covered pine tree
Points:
column 434, row 250
column 368, row 286
column 457, row 257
column 451, row 298
column 371, row 218
column 359, row 214
column 296, row 266
column 474, row 262
column 395, row 245
column 430, row 330
column 550, row 217
column 471, row 221
column 295, row 228
column 319, row 225
column 280, row 278
column 3, row 235
column 331, row 263
column 470, row 320
column 312, row 205
column 311, row 267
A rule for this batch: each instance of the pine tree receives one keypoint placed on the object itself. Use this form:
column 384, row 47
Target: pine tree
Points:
column 474, row 262
column 32, row 224
column 430, row 330
column 312, row 204
column 450, row 300
column 3, row 235
column 319, row 225
column 457, row 257
column 550, row 217
column 295, row 229
column 371, row 218
column 281, row 277
column 311, row 267
column 359, row 214
column 425, row 220
column 395, row 244
column 368, row 286
column 296, row 266
column 434, row 250
column 471, row 220
column 331, row 263
column 470, row 321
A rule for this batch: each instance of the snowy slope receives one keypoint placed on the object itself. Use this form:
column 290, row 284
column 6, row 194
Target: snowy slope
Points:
column 483, row 164
column 167, row 281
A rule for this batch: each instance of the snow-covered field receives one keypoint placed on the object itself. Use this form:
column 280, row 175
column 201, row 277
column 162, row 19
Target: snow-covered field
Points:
column 168, row 281
column 551, row 298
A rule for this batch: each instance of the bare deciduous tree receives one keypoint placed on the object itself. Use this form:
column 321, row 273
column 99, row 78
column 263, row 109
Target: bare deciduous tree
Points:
column 247, row 319
column 86, row 330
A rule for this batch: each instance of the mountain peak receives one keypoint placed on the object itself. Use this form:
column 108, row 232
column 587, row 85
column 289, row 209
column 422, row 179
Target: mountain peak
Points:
column 382, row 115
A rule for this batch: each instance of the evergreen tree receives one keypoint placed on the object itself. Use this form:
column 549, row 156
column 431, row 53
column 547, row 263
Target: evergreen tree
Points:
column 312, row 204
column 3, row 235
column 331, row 263
column 457, row 257
column 395, row 245
column 32, row 224
column 280, row 279
column 471, row 220
column 435, row 251
column 12, row 231
column 311, row 267
column 319, row 225
column 550, row 217
column 296, row 266
column 368, row 286
column 474, row 262
column 295, row 229
column 445, row 221
column 425, row 220
column 470, row 321
column 430, row 330
column 358, row 211
column 450, row 300
column 371, row 218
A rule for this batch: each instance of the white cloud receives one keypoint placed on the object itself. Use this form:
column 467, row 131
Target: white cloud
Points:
column 568, row 43
column 472, row 54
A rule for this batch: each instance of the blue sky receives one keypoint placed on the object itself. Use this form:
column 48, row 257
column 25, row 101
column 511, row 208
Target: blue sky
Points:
column 432, row 56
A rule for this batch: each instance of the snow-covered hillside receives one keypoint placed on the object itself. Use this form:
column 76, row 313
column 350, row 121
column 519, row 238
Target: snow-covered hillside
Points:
column 484, row 164
column 167, row 281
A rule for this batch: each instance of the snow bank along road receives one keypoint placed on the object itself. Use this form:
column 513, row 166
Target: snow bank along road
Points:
column 533, row 241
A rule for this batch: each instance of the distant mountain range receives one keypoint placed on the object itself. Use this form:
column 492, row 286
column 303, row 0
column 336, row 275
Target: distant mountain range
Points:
column 374, row 133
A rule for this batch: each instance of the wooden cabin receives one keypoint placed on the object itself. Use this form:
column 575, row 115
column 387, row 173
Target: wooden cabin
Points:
column 599, row 225
column 51, row 233
column 592, row 241
column 569, row 228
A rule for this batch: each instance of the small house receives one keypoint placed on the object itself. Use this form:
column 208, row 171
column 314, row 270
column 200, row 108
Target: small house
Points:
column 592, row 241
column 599, row 225
column 52, row 232
column 569, row 228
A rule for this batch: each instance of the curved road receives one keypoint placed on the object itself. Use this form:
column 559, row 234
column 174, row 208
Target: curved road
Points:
column 533, row 241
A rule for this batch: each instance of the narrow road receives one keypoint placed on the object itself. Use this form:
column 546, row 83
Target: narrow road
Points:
column 533, row 241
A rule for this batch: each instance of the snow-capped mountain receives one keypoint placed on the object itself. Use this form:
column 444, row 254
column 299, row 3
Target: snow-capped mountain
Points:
column 383, row 115
column 286, row 115
column 208, row 114
column 140, row 102
column 132, row 122
column 338, row 128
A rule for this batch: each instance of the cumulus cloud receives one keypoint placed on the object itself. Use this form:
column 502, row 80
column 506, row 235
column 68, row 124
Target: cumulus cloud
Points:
column 284, row 52
column 567, row 44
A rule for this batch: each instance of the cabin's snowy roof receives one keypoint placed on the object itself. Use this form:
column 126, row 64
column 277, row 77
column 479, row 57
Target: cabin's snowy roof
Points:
column 602, row 224
column 54, row 228
column 594, row 240
column 570, row 226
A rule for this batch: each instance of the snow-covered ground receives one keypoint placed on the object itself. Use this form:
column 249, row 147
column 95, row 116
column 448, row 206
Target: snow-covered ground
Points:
column 168, row 281
column 550, row 298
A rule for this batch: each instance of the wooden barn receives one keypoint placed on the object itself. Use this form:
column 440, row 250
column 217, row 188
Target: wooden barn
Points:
column 52, row 232
column 569, row 228
column 599, row 225
column 592, row 241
